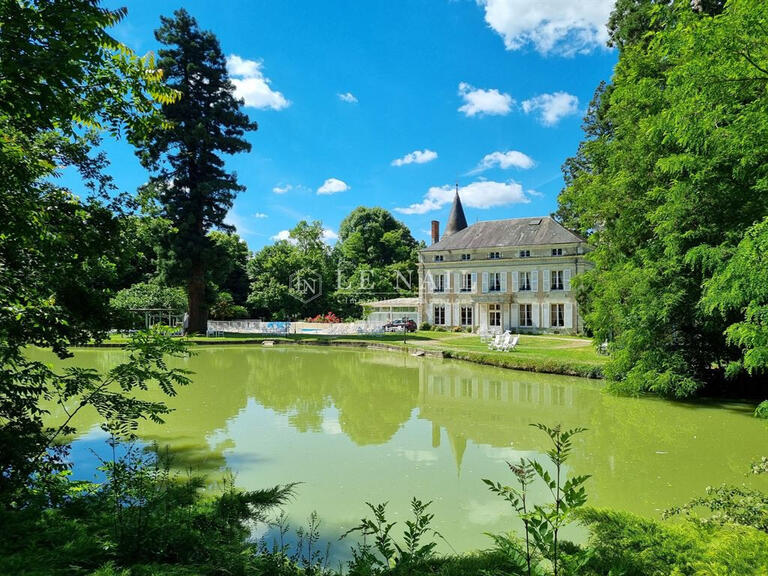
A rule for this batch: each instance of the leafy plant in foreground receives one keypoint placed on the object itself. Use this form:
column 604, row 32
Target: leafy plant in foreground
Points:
column 543, row 523
column 414, row 554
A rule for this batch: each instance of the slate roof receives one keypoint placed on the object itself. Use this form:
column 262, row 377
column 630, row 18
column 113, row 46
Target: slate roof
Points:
column 505, row 233
column 456, row 221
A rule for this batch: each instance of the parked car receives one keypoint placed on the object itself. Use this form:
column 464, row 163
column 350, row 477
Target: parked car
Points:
column 400, row 325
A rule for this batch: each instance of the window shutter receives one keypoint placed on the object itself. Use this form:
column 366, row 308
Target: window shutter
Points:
column 535, row 315
column 515, row 275
column 457, row 288
column 545, row 316
column 515, row 314
column 535, row 281
column 485, row 281
column 567, row 279
column 474, row 282
column 447, row 281
column 503, row 281
column 547, row 280
column 568, row 315
column 430, row 283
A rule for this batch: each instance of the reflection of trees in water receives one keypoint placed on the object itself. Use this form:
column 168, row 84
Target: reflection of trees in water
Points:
column 653, row 449
column 373, row 400
column 496, row 407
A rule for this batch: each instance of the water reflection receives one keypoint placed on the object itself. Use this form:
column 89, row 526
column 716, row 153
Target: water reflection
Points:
column 359, row 426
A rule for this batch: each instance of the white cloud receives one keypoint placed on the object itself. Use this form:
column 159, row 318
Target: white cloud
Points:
column 484, row 102
column 551, row 108
column 481, row 194
column 561, row 27
column 329, row 236
column 504, row 160
column 252, row 86
column 260, row 215
column 416, row 157
column 282, row 189
column 348, row 97
column 282, row 235
column 333, row 186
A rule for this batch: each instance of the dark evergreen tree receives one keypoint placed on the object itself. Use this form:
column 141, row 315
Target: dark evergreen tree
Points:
column 206, row 122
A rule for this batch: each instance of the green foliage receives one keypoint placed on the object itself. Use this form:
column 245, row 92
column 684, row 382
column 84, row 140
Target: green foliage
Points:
column 672, row 173
column 226, row 309
column 728, row 505
column 385, row 554
column 193, row 188
column 376, row 257
column 144, row 518
column 273, row 295
column 228, row 263
column 738, row 290
column 623, row 544
column 542, row 523
column 147, row 295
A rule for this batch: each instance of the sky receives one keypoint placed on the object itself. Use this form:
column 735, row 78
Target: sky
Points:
column 392, row 103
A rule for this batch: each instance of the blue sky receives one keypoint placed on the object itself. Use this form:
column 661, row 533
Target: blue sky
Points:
column 391, row 102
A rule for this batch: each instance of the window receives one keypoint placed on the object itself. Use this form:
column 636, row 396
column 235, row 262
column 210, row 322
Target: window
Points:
column 466, row 315
column 438, row 257
column 526, row 315
column 439, row 315
column 439, row 280
column 524, row 283
column 557, row 251
column 466, row 282
column 494, row 314
column 494, row 282
column 525, row 253
column 466, row 256
column 557, row 315
column 556, row 282
column 494, row 255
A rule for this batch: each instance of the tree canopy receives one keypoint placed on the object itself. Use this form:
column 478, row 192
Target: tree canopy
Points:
column 672, row 173
column 206, row 122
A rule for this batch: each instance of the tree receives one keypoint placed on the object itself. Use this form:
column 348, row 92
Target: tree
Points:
column 195, row 190
column 273, row 269
column 228, row 265
column 376, row 256
column 62, row 80
column 671, row 176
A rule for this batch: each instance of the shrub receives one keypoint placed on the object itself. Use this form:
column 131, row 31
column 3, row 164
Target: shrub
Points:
column 226, row 309
column 425, row 326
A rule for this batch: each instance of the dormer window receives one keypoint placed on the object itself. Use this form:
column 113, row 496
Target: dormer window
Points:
column 466, row 256
column 438, row 257
column 494, row 255
column 525, row 253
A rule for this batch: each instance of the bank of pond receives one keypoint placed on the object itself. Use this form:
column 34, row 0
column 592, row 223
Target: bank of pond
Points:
column 356, row 426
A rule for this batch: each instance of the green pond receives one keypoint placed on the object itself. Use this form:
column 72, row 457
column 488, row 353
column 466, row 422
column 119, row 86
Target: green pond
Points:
column 355, row 426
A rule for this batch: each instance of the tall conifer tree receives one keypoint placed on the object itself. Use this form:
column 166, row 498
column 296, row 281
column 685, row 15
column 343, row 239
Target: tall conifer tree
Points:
column 194, row 188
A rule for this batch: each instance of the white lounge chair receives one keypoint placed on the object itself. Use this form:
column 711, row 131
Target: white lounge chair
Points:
column 511, row 343
column 495, row 342
column 502, row 342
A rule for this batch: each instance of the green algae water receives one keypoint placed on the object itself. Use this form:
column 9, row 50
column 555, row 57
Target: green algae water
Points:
column 369, row 426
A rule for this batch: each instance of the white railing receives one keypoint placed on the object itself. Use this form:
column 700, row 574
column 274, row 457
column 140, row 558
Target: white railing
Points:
column 261, row 328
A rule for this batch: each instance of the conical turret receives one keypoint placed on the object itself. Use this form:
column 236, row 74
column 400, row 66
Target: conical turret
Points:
column 456, row 221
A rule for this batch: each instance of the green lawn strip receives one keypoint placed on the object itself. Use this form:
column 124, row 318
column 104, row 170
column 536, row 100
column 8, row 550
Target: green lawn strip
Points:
column 551, row 354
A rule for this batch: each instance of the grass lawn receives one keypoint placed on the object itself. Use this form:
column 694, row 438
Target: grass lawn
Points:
column 554, row 354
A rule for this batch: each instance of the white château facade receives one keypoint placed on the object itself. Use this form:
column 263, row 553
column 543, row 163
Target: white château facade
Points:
column 512, row 274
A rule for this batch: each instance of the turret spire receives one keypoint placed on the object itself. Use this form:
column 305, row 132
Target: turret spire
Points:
column 456, row 221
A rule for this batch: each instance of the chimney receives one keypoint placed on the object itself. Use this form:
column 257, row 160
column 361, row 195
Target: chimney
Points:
column 435, row 231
